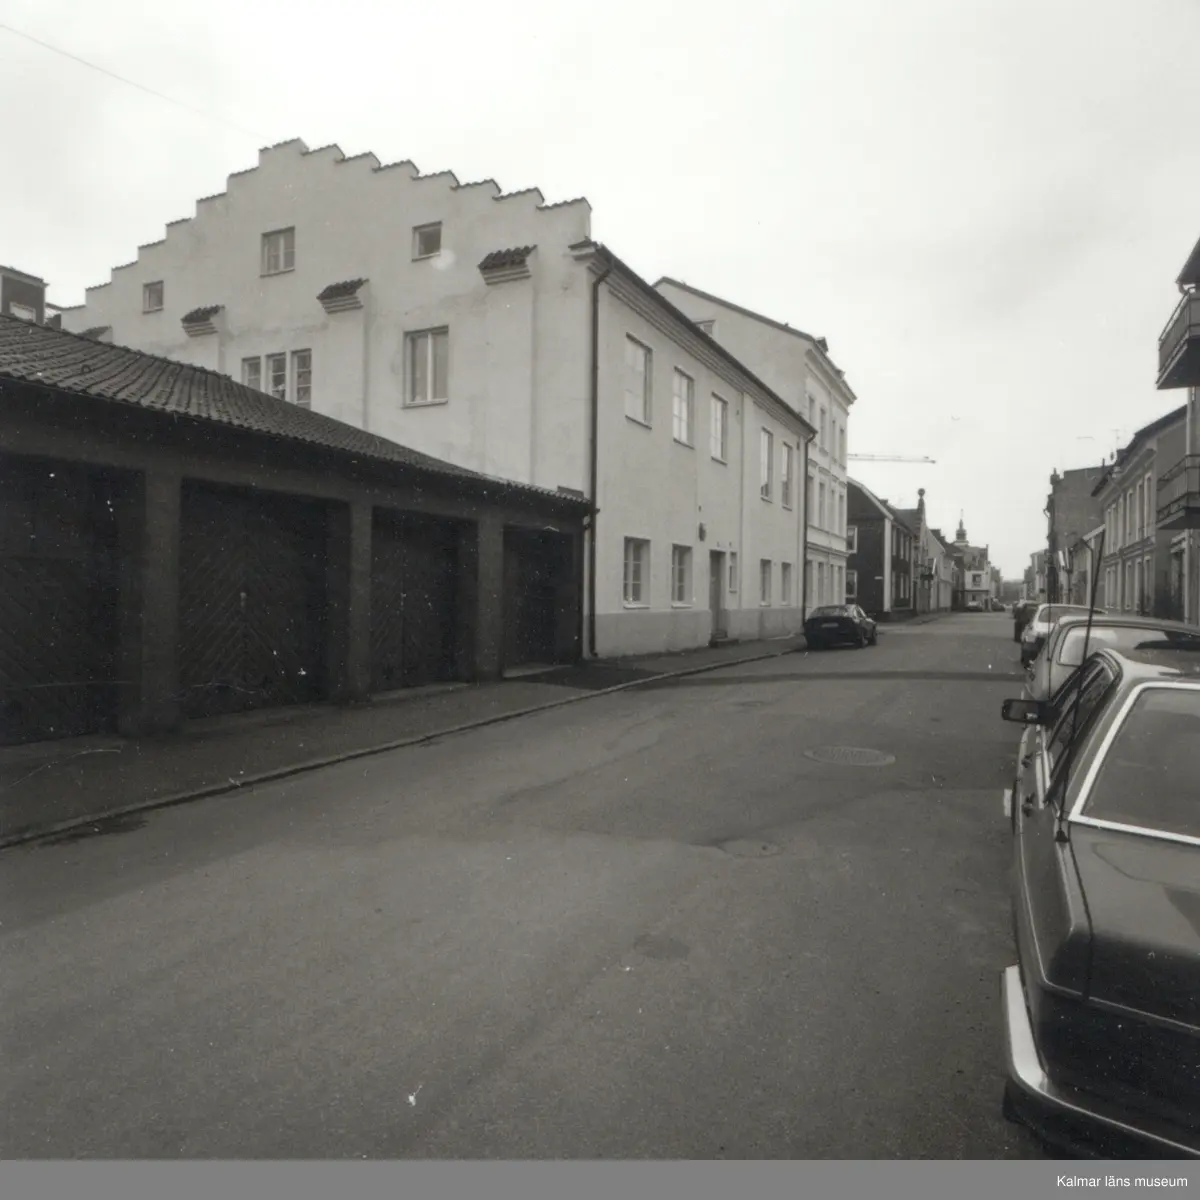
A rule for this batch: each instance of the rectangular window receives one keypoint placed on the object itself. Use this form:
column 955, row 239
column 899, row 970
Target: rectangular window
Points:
column 812, row 412
column 302, row 378
column 428, row 367
column 785, row 476
column 683, row 402
column 842, row 445
column 637, row 570
column 824, row 430
column 278, row 251
column 252, row 372
column 766, row 463
column 638, row 362
column 841, row 513
column 152, row 297
column 764, row 581
column 681, row 575
column 851, row 584
column 427, row 240
column 22, row 312
column 277, row 376
column 1139, row 530
column 851, row 539
column 809, row 511
column 1149, row 505
column 785, row 582
column 733, row 571
column 821, row 505
column 720, row 428
column 820, row 583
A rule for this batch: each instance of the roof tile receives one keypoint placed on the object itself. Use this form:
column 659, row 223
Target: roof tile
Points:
column 513, row 257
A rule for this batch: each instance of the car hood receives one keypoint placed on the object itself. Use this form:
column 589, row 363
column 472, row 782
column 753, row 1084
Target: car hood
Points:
column 1143, row 901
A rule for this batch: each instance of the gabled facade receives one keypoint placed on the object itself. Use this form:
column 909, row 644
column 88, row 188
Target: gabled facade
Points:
column 882, row 547
column 973, row 584
column 941, row 566
column 1139, row 576
column 489, row 330
column 797, row 366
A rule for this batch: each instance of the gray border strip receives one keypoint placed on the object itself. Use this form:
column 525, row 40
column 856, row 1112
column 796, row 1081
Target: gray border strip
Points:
column 315, row 764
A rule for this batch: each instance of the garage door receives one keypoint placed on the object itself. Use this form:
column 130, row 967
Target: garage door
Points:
column 414, row 602
column 252, row 601
column 58, row 602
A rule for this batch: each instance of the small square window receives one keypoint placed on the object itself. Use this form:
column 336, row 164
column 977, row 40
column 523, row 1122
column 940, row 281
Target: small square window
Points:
column 278, row 251
column 252, row 373
column 152, row 297
column 427, row 240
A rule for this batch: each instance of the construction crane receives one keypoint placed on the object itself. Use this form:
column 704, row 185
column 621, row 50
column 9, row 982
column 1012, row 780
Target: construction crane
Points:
column 898, row 458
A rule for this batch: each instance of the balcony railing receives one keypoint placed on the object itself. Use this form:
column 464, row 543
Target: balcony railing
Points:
column 1179, row 345
column 1179, row 495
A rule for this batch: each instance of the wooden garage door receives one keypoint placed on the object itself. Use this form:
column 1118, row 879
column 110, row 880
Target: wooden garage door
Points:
column 58, row 602
column 414, row 608
column 252, row 601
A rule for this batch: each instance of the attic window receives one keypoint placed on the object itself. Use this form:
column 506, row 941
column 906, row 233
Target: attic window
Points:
column 427, row 240
column 22, row 312
column 279, row 251
column 706, row 327
column 152, row 297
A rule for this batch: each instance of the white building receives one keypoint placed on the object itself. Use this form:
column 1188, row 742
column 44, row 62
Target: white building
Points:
column 490, row 331
column 797, row 366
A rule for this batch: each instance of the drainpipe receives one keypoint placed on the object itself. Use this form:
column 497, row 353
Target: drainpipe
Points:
column 595, row 459
column 804, row 534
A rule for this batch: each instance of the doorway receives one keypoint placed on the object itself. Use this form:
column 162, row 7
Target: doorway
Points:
column 716, row 593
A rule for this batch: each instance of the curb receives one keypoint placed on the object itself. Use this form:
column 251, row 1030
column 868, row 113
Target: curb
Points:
column 315, row 764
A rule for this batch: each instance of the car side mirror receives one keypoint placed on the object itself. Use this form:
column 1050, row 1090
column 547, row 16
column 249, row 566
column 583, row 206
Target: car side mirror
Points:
column 1024, row 712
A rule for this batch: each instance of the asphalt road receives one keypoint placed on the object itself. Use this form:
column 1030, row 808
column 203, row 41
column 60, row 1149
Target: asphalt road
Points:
column 645, row 926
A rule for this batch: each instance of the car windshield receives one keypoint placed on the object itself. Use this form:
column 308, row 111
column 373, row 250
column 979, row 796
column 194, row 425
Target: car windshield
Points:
column 1116, row 637
column 1150, row 776
column 832, row 610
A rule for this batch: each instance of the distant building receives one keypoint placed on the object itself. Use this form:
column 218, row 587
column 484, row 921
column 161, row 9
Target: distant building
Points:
column 1177, row 487
column 1071, row 510
column 942, row 567
column 974, row 585
column 879, row 577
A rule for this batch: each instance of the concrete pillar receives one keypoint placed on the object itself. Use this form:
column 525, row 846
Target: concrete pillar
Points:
column 487, row 602
column 148, row 527
column 348, row 598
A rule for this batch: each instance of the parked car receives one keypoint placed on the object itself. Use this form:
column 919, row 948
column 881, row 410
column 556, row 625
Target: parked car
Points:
column 1022, row 615
column 1035, row 633
column 837, row 624
column 1102, row 1008
column 974, row 606
column 996, row 605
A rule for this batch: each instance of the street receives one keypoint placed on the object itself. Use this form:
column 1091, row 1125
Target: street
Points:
column 649, row 925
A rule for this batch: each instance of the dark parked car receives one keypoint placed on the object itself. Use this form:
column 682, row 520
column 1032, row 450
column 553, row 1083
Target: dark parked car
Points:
column 1102, row 1008
column 839, row 624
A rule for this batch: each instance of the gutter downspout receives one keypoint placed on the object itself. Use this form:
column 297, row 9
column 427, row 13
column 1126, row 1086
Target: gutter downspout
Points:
column 804, row 536
column 595, row 461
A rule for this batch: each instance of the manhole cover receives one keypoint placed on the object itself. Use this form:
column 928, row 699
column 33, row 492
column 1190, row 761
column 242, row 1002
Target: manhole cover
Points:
column 850, row 756
column 748, row 849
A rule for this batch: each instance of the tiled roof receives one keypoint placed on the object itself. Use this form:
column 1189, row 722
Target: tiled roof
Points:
column 337, row 290
column 514, row 257
column 95, row 331
column 201, row 314
column 68, row 362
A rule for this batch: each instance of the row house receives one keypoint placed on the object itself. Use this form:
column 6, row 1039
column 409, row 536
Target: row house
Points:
column 1082, row 585
column 489, row 330
column 1177, row 487
column 1143, row 572
column 973, row 584
column 882, row 550
column 941, row 568
column 797, row 366
column 1071, row 510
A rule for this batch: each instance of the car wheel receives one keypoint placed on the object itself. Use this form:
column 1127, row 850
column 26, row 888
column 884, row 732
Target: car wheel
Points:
column 874, row 637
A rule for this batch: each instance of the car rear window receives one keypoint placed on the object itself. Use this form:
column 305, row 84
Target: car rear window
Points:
column 1070, row 652
column 1051, row 612
column 831, row 610
column 1150, row 776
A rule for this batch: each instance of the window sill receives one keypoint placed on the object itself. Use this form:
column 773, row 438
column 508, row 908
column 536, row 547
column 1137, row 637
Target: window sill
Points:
column 425, row 403
column 683, row 604
column 634, row 605
column 681, row 442
column 146, row 312
column 717, row 458
column 765, row 499
column 638, row 421
column 424, row 257
column 272, row 274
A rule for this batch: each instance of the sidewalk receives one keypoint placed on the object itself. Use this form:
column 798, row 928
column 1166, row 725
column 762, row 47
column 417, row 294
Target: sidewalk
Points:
column 49, row 787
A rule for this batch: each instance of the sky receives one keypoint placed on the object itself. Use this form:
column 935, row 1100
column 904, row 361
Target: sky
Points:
column 982, row 205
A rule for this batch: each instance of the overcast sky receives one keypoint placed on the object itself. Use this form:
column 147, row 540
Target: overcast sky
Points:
column 982, row 204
